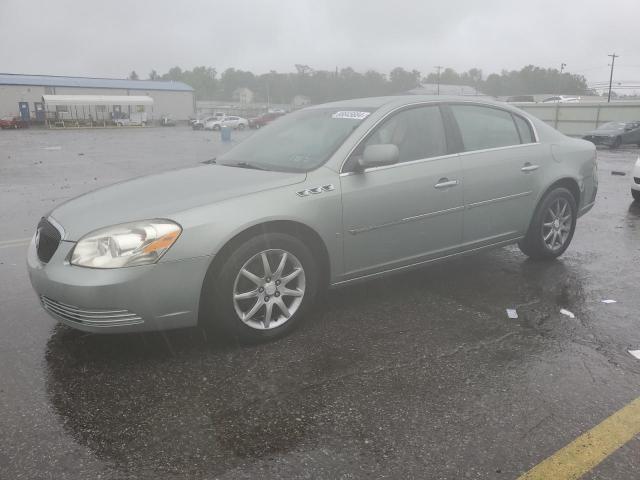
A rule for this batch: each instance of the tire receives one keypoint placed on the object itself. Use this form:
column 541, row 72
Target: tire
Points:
column 636, row 195
column 544, row 229
column 616, row 143
column 241, row 126
column 216, row 127
column 221, row 289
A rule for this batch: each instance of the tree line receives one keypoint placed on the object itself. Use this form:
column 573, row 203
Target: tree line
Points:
column 323, row 85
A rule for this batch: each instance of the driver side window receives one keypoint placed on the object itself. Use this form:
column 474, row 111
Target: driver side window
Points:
column 417, row 132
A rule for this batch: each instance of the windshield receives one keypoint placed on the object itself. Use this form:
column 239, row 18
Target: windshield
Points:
column 612, row 126
column 298, row 142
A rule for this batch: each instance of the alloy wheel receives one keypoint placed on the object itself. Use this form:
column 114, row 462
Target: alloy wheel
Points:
column 269, row 289
column 556, row 226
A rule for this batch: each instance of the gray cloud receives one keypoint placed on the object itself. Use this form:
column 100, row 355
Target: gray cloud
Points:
column 112, row 38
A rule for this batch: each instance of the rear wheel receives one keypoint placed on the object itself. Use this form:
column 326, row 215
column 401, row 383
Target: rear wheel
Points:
column 216, row 127
column 241, row 126
column 636, row 195
column 552, row 226
column 263, row 289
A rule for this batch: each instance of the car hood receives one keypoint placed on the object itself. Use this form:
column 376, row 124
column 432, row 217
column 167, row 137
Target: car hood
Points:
column 163, row 194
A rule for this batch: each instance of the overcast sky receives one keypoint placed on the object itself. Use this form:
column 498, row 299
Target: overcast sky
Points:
column 112, row 37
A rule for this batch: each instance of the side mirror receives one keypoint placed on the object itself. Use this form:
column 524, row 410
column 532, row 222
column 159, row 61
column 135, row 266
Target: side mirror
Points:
column 379, row 155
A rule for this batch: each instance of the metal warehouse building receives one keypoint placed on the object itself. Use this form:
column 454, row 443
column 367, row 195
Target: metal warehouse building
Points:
column 21, row 95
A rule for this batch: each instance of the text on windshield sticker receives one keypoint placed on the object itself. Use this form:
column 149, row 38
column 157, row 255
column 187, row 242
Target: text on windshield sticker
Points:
column 351, row 115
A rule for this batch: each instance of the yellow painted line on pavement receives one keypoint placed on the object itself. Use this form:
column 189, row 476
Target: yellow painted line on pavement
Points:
column 590, row 448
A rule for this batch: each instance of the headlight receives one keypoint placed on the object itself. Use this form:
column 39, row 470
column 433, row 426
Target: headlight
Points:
column 126, row 245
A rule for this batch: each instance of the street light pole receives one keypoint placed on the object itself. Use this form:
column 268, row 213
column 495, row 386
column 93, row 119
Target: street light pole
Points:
column 613, row 61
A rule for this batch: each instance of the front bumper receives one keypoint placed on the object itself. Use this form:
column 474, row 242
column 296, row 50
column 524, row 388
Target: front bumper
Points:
column 600, row 140
column 154, row 297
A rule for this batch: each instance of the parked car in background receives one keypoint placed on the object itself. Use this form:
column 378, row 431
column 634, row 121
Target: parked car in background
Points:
column 228, row 121
column 13, row 122
column 615, row 134
column 521, row 99
column 264, row 119
column 135, row 119
column 561, row 99
column 200, row 122
column 326, row 196
column 635, row 181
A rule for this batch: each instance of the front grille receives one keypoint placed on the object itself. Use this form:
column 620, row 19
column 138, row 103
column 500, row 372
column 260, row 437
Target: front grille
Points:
column 637, row 180
column 47, row 240
column 93, row 317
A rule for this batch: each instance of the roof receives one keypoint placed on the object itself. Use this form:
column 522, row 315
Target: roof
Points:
column 87, row 82
column 97, row 100
column 400, row 100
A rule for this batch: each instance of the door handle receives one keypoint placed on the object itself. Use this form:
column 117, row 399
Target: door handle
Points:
column 445, row 183
column 529, row 168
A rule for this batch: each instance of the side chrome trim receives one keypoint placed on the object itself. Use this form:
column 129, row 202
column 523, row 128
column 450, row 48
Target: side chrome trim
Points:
column 425, row 262
column 496, row 149
column 499, row 199
column 403, row 164
column 415, row 218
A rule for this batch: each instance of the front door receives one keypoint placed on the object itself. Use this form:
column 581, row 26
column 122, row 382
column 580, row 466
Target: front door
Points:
column 404, row 213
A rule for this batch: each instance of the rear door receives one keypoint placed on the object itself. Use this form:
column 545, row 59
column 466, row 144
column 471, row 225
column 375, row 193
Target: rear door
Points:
column 501, row 164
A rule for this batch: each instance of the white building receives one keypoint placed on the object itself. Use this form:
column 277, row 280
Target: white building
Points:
column 21, row 95
column 243, row 95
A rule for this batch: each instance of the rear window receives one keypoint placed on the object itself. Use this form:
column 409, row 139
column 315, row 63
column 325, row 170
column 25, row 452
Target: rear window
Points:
column 485, row 127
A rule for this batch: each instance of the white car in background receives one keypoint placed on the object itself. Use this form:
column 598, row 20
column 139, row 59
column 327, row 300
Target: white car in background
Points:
column 635, row 181
column 230, row 121
column 561, row 99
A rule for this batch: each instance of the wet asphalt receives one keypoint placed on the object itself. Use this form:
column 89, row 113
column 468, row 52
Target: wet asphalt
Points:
column 418, row 375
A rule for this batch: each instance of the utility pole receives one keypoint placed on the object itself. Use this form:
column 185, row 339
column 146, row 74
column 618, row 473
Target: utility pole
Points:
column 613, row 61
column 439, row 67
column 562, row 65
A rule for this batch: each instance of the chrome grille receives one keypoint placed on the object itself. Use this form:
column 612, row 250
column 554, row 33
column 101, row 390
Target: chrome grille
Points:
column 47, row 240
column 93, row 318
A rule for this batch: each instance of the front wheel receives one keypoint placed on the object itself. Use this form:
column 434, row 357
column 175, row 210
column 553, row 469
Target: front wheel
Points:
column 263, row 289
column 552, row 226
column 241, row 126
column 636, row 195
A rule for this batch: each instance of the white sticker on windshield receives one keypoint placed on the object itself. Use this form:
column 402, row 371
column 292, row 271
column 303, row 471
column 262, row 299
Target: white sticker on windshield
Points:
column 353, row 115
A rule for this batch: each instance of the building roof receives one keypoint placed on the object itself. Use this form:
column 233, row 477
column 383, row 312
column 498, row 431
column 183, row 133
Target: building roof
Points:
column 86, row 82
column 52, row 100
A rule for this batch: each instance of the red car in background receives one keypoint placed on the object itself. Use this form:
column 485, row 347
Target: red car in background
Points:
column 263, row 119
column 13, row 122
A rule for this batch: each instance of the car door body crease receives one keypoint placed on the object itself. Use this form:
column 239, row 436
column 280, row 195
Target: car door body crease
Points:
column 415, row 218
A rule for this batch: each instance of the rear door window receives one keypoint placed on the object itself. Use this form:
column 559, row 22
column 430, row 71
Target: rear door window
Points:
column 485, row 127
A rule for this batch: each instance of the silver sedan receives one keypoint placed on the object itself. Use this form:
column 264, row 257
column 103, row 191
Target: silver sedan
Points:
column 326, row 196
